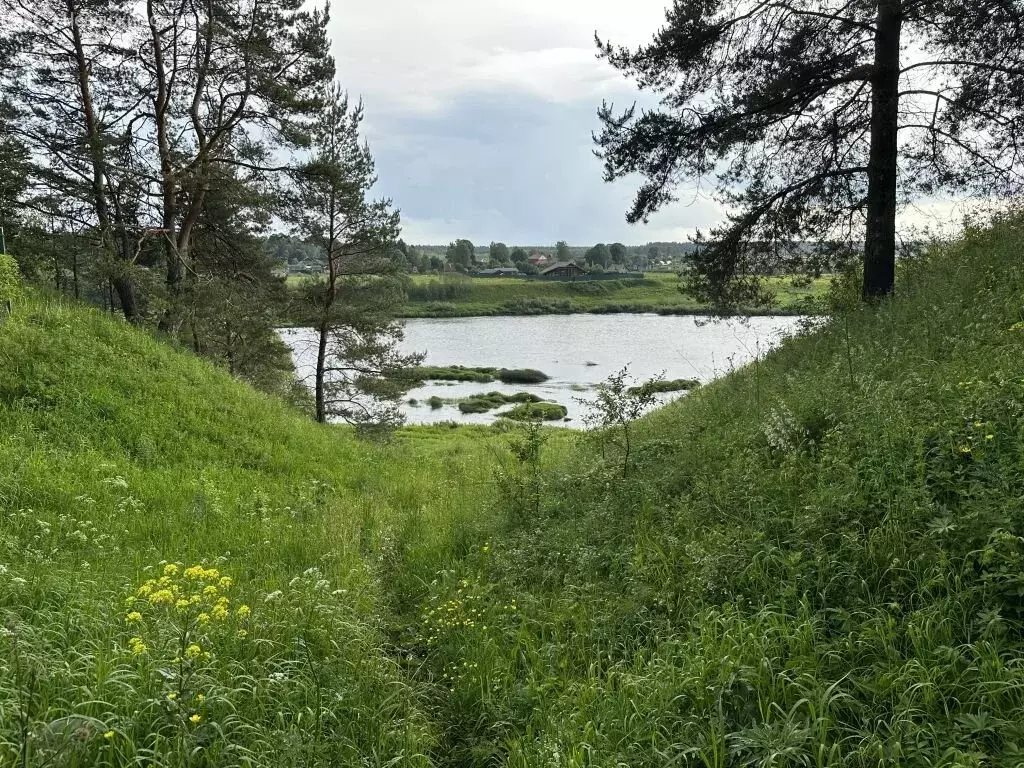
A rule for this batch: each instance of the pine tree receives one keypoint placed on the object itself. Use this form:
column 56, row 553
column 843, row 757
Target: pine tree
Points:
column 818, row 120
column 358, row 375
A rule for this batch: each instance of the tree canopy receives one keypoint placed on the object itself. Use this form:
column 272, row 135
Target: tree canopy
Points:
column 818, row 121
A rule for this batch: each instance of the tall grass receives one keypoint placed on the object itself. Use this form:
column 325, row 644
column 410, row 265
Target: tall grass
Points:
column 814, row 562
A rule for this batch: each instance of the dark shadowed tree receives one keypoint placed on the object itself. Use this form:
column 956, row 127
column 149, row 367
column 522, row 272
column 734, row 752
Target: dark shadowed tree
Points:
column 75, row 118
column 225, row 84
column 618, row 253
column 562, row 251
column 599, row 255
column 461, row 254
column 818, row 120
column 499, row 253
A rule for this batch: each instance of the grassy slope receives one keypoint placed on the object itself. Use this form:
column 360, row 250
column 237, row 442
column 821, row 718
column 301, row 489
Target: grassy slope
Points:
column 118, row 452
column 814, row 561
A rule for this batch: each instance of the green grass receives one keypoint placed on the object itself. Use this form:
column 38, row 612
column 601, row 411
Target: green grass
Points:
column 814, row 561
column 461, row 296
column 118, row 454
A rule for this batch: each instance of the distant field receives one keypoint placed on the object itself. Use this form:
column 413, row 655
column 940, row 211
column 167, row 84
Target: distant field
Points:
column 461, row 296
column 431, row 296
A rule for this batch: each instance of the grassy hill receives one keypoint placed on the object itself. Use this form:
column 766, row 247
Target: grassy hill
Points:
column 815, row 561
column 119, row 457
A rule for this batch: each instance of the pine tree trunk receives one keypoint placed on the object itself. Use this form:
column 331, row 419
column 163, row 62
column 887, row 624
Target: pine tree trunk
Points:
column 880, row 234
column 321, row 364
column 126, row 295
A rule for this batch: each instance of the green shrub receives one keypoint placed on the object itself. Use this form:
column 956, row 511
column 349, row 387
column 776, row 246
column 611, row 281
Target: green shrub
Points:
column 10, row 279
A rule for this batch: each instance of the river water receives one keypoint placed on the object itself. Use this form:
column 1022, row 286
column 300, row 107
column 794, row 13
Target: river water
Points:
column 576, row 351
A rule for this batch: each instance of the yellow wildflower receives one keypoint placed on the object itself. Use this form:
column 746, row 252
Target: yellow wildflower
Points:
column 108, row 735
column 182, row 605
column 170, row 570
column 226, row 582
column 172, row 696
column 195, row 572
column 244, row 611
column 146, row 588
column 204, row 618
column 200, row 698
column 243, row 633
column 162, row 596
column 990, row 437
column 219, row 611
column 195, row 719
column 209, row 590
column 137, row 646
column 133, row 617
column 965, row 449
column 193, row 652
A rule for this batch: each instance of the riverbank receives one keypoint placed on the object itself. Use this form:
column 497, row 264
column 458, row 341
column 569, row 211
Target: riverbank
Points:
column 657, row 292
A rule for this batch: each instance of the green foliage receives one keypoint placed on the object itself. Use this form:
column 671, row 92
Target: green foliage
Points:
column 119, row 455
column 815, row 561
column 491, row 400
column 450, row 373
column 616, row 405
column 10, row 280
column 539, row 411
column 664, row 385
column 811, row 562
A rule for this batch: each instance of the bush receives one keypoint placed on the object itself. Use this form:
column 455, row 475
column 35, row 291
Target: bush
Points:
column 10, row 279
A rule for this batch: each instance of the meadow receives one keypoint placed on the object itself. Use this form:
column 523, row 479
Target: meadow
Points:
column 462, row 296
column 813, row 561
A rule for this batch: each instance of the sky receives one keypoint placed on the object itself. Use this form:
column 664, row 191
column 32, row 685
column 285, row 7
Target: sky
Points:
column 479, row 114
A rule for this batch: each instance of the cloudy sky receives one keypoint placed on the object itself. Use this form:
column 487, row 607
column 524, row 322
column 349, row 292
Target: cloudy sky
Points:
column 480, row 112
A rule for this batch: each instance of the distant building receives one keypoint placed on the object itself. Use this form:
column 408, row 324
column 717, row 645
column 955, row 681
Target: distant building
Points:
column 539, row 260
column 499, row 272
column 563, row 269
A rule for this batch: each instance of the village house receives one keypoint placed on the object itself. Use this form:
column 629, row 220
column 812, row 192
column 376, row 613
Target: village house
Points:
column 563, row 269
column 539, row 260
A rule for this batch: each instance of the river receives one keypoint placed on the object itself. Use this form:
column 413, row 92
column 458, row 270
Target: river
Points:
column 576, row 351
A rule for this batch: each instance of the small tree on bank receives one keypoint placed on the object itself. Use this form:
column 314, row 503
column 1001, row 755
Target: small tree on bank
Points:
column 813, row 127
column 358, row 375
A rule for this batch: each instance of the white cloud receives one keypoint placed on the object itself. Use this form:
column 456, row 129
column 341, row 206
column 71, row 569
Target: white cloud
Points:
column 405, row 56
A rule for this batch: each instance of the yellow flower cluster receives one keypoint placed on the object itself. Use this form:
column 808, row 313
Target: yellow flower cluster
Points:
column 194, row 597
column 464, row 610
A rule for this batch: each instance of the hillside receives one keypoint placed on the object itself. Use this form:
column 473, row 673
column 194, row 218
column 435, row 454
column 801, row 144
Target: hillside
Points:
column 814, row 561
column 120, row 456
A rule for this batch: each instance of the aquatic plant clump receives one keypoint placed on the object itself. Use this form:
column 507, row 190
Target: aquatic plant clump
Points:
column 536, row 412
column 492, row 400
column 522, row 376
